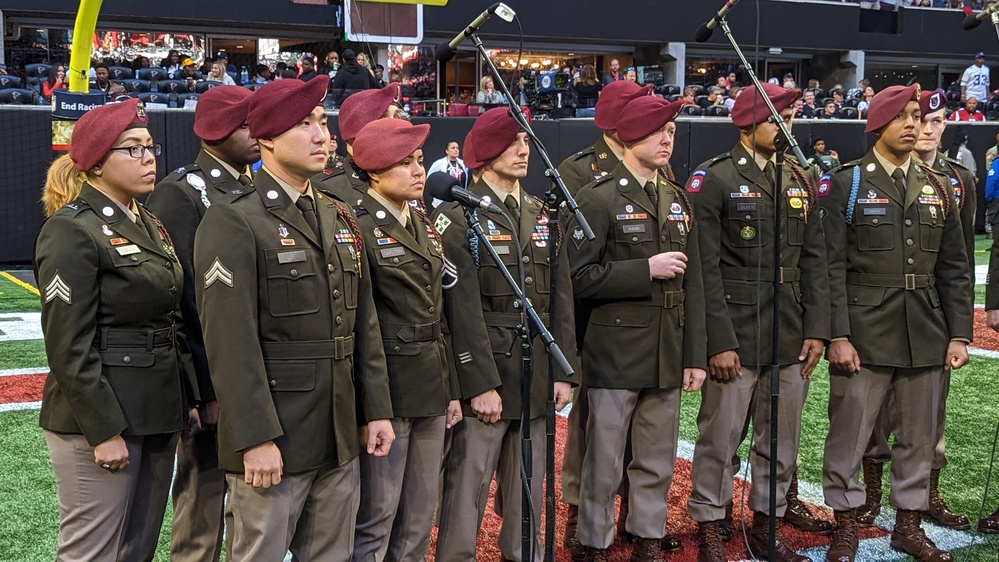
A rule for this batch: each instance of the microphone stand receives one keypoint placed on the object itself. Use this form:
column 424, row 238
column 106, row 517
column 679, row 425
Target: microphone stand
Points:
column 783, row 141
column 557, row 191
column 995, row 21
column 532, row 325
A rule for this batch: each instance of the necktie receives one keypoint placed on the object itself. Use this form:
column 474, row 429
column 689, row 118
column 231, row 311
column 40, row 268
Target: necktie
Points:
column 650, row 190
column 899, row 176
column 304, row 204
column 411, row 226
column 770, row 172
column 244, row 179
column 511, row 205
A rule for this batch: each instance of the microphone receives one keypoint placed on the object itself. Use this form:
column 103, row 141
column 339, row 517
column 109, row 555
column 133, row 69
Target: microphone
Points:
column 704, row 32
column 973, row 21
column 445, row 51
column 446, row 188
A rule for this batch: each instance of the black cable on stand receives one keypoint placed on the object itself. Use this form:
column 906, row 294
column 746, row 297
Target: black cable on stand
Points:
column 782, row 142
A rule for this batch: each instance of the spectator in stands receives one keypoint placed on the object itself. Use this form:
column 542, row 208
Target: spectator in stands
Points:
column 218, row 74
column 813, row 84
column 990, row 154
column 117, row 93
column 3, row 69
column 722, row 82
column 975, row 80
column 587, row 90
column 798, row 108
column 631, row 75
column 308, row 69
column 289, row 74
column 55, row 81
column 330, row 64
column 334, row 161
column 263, row 74
column 379, row 76
column 362, row 59
column 789, row 81
column 808, row 108
column 689, row 95
column 451, row 164
column 959, row 151
column 350, row 78
column 838, row 95
column 969, row 112
column 822, row 159
column 102, row 82
column 713, row 98
column 487, row 93
column 865, row 100
column 223, row 58
column 858, row 92
column 829, row 111
column 615, row 72
column 732, row 95
column 140, row 62
column 172, row 64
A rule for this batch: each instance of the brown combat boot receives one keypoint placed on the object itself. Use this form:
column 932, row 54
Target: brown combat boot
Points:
column 990, row 524
column 872, row 481
column 798, row 515
column 908, row 537
column 595, row 554
column 846, row 538
column 938, row 512
column 712, row 548
column 570, row 526
column 725, row 525
column 645, row 550
column 670, row 544
column 759, row 542
column 622, row 520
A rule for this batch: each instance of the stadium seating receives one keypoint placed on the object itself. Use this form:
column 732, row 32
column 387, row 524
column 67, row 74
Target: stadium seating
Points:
column 204, row 86
column 187, row 96
column 154, row 97
column 691, row 110
column 8, row 81
column 717, row 111
column 135, row 85
column 172, row 86
column 152, row 73
column 37, row 70
column 119, row 72
column 17, row 96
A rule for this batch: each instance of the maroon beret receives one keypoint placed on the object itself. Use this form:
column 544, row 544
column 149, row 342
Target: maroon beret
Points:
column 932, row 103
column 384, row 143
column 364, row 107
column 221, row 111
column 644, row 116
column 750, row 109
column 887, row 104
column 279, row 105
column 96, row 132
column 468, row 153
column 494, row 131
column 613, row 98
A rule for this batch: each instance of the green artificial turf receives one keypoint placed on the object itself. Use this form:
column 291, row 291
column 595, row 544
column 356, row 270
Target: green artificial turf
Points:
column 14, row 298
column 22, row 354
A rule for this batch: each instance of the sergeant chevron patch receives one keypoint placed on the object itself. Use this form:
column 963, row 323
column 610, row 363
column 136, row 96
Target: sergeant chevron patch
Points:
column 218, row 272
column 449, row 274
column 57, row 288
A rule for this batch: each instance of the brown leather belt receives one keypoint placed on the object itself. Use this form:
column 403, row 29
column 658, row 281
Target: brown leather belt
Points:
column 147, row 339
column 337, row 348
column 787, row 274
column 412, row 332
column 908, row 281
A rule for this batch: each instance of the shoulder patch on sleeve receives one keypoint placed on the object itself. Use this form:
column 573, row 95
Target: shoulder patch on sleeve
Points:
column 696, row 179
column 442, row 223
column 825, row 182
column 58, row 289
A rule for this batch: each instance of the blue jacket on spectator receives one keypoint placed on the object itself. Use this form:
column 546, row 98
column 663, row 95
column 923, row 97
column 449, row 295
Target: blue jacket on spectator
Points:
column 992, row 181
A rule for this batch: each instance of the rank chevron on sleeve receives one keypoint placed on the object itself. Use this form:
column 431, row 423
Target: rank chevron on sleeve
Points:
column 57, row 288
column 218, row 272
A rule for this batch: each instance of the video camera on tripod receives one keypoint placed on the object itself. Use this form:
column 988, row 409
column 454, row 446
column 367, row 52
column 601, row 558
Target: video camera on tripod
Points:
column 549, row 94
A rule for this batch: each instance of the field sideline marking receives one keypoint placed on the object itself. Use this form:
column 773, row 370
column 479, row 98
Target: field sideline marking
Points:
column 19, row 283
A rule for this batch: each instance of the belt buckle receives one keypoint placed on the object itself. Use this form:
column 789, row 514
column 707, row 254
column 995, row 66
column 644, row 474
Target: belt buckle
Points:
column 910, row 281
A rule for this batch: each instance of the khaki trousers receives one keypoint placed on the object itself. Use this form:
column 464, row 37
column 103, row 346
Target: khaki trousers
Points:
column 477, row 450
column 310, row 514
column 877, row 448
column 399, row 493
column 721, row 423
column 652, row 417
column 111, row 516
column 855, row 400
column 198, row 500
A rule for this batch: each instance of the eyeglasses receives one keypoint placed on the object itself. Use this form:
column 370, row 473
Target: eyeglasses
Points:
column 140, row 151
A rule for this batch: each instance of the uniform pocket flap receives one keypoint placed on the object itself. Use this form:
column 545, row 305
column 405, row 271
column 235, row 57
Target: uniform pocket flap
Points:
column 742, row 293
column 627, row 316
column 291, row 376
column 128, row 358
column 864, row 296
column 393, row 347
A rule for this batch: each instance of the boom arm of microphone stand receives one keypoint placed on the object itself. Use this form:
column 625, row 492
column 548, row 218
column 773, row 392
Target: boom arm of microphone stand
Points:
column 532, row 315
column 792, row 143
column 995, row 22
column 518, row 116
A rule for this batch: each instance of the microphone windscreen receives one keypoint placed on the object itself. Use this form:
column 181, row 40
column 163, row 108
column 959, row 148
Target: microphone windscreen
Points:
column 971, row 22
column 439, row 185
column 703, row 33
column 444, row 52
